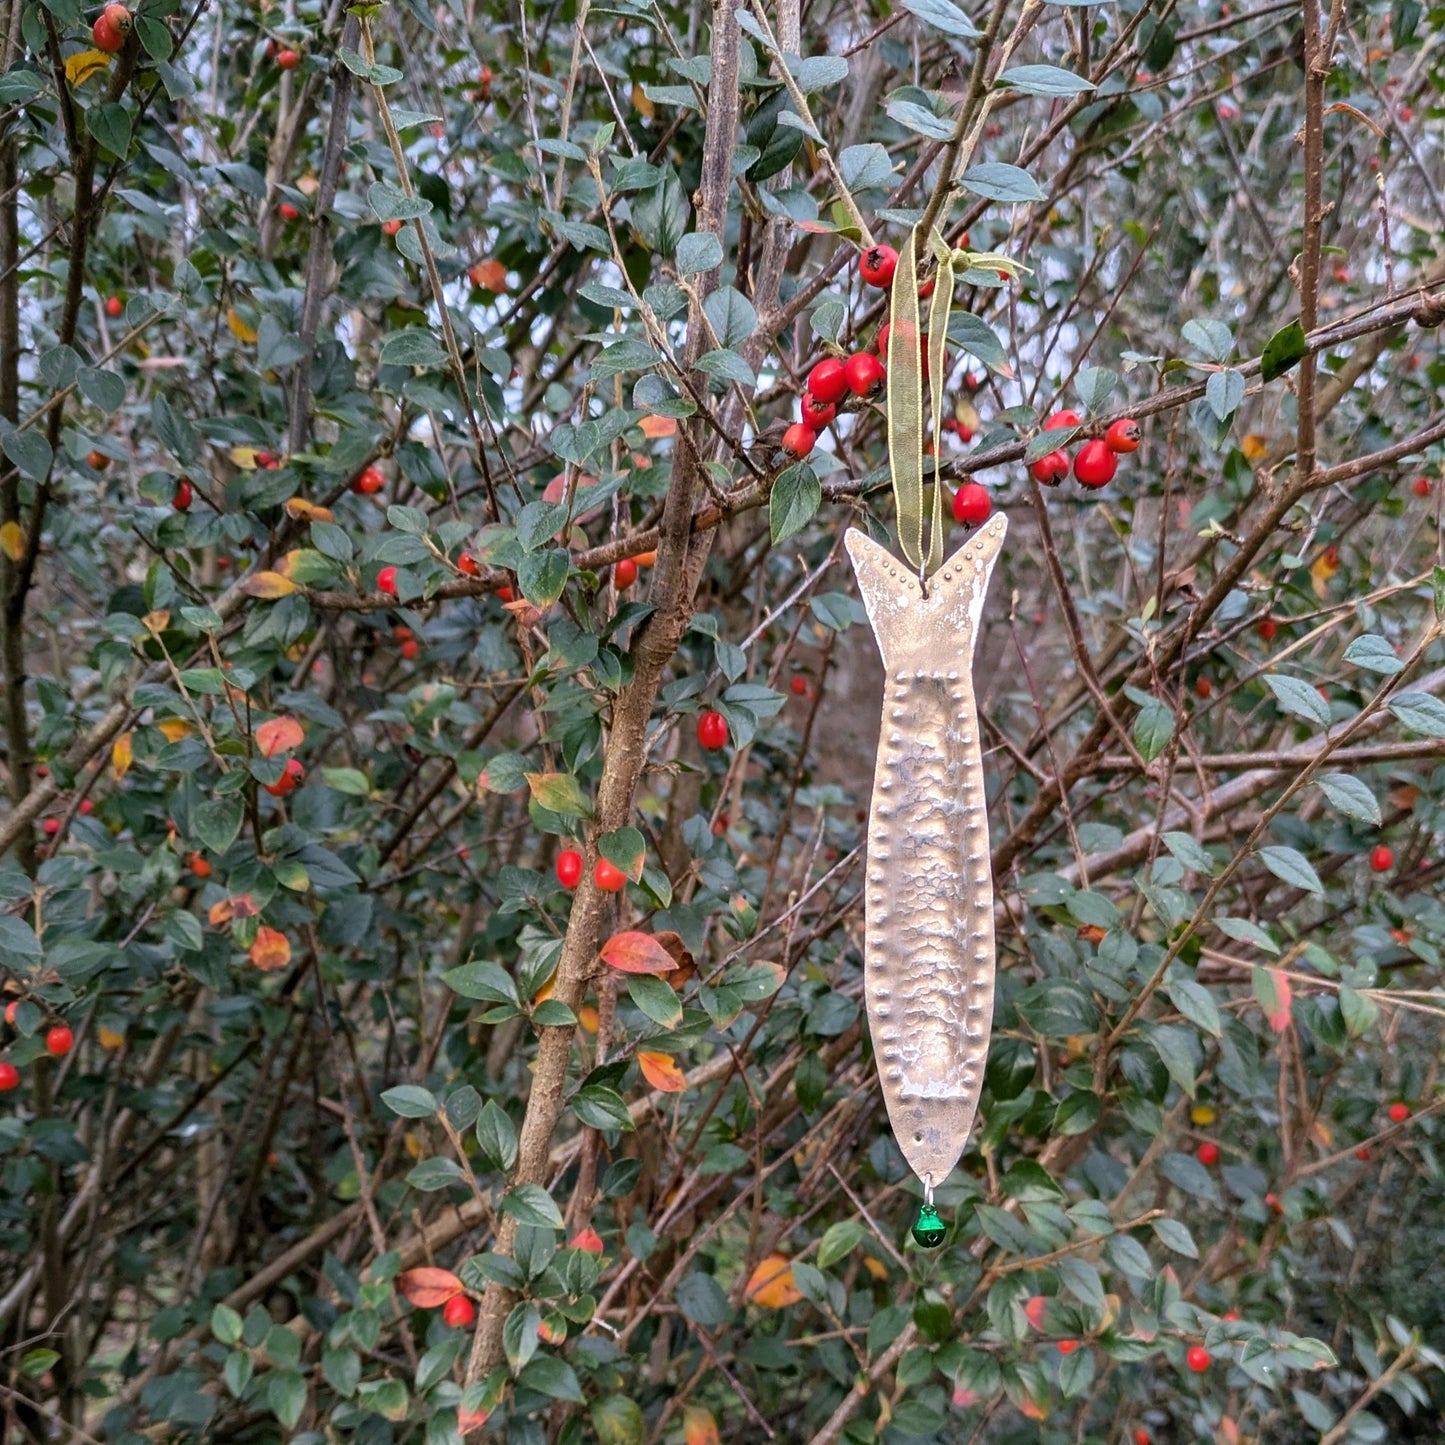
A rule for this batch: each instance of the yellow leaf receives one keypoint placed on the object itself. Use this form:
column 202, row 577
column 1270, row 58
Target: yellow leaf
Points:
column 268, row 586
column 85, row 63
column 1253, row 446
column 771, row 1284
column 662, row 1072
column 875, row 1267
column 109, row 1039
column 12, row 539
column 699, row 1427
column 239, row 329
column 588, row 1018
column 304, row 511
column 245, row 457
column 641, row 103
column 122, row 754
column 173, row 729
column 156, row 622
column 1201, row 1114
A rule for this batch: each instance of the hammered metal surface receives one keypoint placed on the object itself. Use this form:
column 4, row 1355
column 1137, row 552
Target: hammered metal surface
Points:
column 928, row 938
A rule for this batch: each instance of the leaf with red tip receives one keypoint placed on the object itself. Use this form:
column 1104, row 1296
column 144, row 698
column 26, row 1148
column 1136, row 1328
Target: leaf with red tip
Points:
column 427, row 1287
column 1272, row 989
column 279, row 735
column 632, row 952
column 268, row 586
column 699, row 1427
column 271, row 950
column 662, row 1072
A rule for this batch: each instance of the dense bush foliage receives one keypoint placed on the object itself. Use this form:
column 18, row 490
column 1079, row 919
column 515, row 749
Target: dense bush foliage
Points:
column 390, row 403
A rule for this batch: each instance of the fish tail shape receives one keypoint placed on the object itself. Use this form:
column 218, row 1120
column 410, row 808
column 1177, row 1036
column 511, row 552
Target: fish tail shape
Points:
column 928, row 940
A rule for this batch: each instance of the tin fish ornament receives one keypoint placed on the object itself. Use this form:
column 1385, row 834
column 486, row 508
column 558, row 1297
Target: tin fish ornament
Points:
column 928, row 938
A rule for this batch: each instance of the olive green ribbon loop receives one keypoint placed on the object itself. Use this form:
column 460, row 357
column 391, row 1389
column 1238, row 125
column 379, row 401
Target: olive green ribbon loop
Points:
column 906, row 364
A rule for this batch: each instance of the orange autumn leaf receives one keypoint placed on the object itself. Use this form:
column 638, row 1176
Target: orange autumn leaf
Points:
column 699, row 1427
column 641, row 103
column 109, row 1039
column 83, row 64
column 1274, row 997
column 771, row 1284
column 12, row 541
column 427, row 1287
column 489, row 275
column 588, row 1018
column 633, row 952
column 156, row 622
column 875, row 1267
column 268, row 586
column 662, row 1072
column 221, row 913
column 654, row 427
column 1253, row 446
column 173, row 729
column 271, row 950
column 122, row 754
column 279, row 735
column 304, row 511
column 239, row 329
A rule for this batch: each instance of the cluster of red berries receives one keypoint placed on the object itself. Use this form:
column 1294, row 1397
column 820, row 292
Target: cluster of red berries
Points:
column 58, row 1043
column 1096, row 461
column 111, row 28
column 607, row 876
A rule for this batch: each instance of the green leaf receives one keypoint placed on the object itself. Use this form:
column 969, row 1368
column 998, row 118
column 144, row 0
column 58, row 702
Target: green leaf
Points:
column 943, row 16
column 1195, row 1002
column 1224, row 391
column 1043, row 80
column 1420, row 712
column 216, row 824
column 482, row 979
column 839, row 1241
column 497, row 1136
column 110, row 125
column 599, row 1107
column 559, row 793
column 1174, row 1236
column 226, row 1324
column 1299, row 698
column 624, row 848
column 1374, row 654
column 543, row 576
column 921, row 121
column 660, row 215
column 618, row 1421
column 1350, row 796
column 731, row 316
column 414, row 347
column 1191, row 853
column 1243, row 931
column 531, row 1204
column 286, row 1395
column 29, row 451
column 410, row 1101
column 997, row 181
column 656, row 998
column 796, row 497
column 1213, row 338
column 1284, row 351
column 101, row 388
column 1153, row 729
column 699, row 251
column 1293, row 867
column 436, row 1173
column 701, row 1299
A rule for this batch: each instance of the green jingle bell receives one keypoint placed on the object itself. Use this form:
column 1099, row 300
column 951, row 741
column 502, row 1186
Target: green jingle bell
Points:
column 929, row 1231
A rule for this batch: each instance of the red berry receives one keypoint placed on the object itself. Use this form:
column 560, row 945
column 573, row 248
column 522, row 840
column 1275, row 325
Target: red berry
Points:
column 410, row 649
column 468, row 565
column 971, row 505
column 1267, row 628
column 9, row 1077
column 1421, row 486
column 59, row 1040
column 608, row 876
column 880, row 342
column 1203, row 687
column 1062, row 419
column 111, row 27
column 87, row 806
column 712, row 731
column 97, row 461
column 1382, row 859
column 799, row 440
column 1363, row 1155
column 1095, row 465
column 386, row 581
column 1208, row 1153
column 51, row 827
column 1067, row 1347
column 1052, row 469
column 288, row 781
column 289, row 212
column 624, row 574
column 369, row 482
column 1143, row 1437
column 198, row 865
column 266, row 461
column 114, row 307
column 185, row 493
column 877, row 265
column 458, row 1311
column 1198, row 1359
column 1274, row 1202
column 1230, row 1315
column 815, row 413
column 391, row 228
column 1123, row 436
column 504, row 594
column 828, row 380
column 287, row 59
column 587, row 1240
column 864, row 372
column 568, row 867
column 799, row 685
column 1398, row 1113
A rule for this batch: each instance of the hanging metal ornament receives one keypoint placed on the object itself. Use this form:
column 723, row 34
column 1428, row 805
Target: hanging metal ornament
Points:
column 928, row 942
